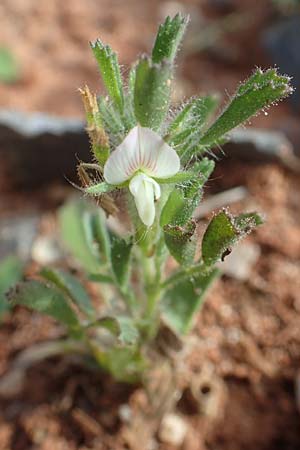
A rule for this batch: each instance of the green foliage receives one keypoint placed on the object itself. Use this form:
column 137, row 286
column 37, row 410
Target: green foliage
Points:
column 124, row 363
column 101, row 235
column 136, row 291
column 219, row 236
column 112, row 120
column 181, row 242
column 152, row 92
column 99, row 189
column 224, row 231
column 108, row 64
column 178, row 178
column 192, row 117
column 45, row 299
column 185, row 131
column 184, row 298
column 9, row 69
column 120, row 258
column 261, row 90
column 11, row 271
column 185, row 197
column 168, row 38
column 70, row 286
column 122, row 327
column 176, row 216
column 73, row 220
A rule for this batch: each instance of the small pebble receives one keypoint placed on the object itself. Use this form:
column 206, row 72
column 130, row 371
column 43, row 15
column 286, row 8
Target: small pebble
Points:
column 125, row 413
column 45, row 250
column 172, row 430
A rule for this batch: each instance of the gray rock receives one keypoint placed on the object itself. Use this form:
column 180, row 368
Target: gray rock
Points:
column 36, row 148
column 17, row 235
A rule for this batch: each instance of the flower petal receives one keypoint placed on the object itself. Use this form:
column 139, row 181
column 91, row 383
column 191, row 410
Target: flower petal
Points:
column 158, row 158
column 123, row 162
column 144, row 150
column 145, row 191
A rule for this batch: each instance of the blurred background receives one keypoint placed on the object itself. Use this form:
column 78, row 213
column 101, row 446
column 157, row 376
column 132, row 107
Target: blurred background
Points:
column 45, row 57
column 250, row 325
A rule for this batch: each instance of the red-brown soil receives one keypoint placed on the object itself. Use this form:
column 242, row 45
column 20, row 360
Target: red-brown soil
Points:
column 247, row 337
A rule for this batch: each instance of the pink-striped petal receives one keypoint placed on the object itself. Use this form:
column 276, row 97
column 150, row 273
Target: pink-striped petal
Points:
column 142, row 150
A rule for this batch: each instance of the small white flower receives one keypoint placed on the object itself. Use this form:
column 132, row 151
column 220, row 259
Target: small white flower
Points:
column 140, row 158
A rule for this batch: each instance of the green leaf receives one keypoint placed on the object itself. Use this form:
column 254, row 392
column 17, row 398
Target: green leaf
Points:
column 122, row 327
column 101, row 235
column 186, row 129
column 247, row 221
column 225, row 230
column 74, row 220
column 129, row 334
column 9, row 70
column 179, row 207
column 168, row 38
column 100, row 278
column 152, row 92
column 129, row 118
column 125, row 364
column 113, row 123
column 261, row 90
column 181, row 242
column 219, row 236
column 192, row 118
column 44, row 299
column 182, row 201
column 120, row 258
column 184, row 299
column 99, row 189
column 109, row 67
column 172, row 208
column 204, row 168
column 71, row 287
column 11, row 271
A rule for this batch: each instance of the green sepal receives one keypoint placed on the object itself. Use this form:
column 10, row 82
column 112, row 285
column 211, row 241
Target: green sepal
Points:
column 152, row 92
column 178, row 178
column 71, row 287
column 99, row 189
column 109, row 67
column 168, row 38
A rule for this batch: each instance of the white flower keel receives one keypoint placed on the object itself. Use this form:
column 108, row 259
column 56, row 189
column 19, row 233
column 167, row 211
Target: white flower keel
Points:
column 145, row 191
